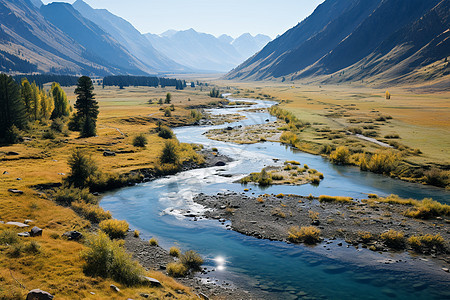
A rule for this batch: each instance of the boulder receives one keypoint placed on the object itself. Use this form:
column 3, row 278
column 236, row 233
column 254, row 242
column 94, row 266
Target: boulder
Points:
column 28, row 221
column 73, row 235
column 152, row 281
column 18, row 224
column 109, row 153
column 203, row 296
column 10, row 153
column 39, row 295
column 114, row 288
column 220, row 164
column 24, row 234
column 36, row 231
column 5, row 173
column 14, row 191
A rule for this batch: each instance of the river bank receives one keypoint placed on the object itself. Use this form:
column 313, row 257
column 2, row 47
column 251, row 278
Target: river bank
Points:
column 359, row 224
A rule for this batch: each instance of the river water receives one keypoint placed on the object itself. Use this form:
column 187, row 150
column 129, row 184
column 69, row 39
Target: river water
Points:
column 276, row 270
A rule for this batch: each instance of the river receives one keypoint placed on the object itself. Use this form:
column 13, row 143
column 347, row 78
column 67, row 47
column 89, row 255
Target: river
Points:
column 276, row 270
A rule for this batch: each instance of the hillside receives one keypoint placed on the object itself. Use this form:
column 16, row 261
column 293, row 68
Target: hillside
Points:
column 332, row 45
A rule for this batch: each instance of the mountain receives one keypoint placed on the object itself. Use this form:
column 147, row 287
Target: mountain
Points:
column 349, row 40
column 128, row 36
column 203, row 51
column 197, row 50
column 247, row 45
column 29, row 43
column 99, row 45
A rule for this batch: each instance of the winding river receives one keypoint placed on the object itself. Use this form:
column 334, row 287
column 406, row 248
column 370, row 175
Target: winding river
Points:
column 276, row 270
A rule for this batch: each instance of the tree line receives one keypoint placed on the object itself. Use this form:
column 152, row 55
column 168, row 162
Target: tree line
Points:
column 25, row 103
column 41, row 79
column 152, row 81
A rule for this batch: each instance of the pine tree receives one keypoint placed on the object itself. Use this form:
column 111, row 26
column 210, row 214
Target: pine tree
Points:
column 168, row 98
column 12, row 109
column 27, row 95
column 87, row 107
column 62, row 107
column 35, row 103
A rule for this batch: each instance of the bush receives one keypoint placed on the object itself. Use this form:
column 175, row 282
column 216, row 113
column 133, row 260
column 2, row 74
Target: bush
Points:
column 382, row 162
column 8, row 237
column 307, row 235
column 192, row 260
column 176, row 269
column 175, row 252
column 82, row 168
column 153, row 241
column 167, row 112
column 325, row 198
column 170, row 153
column 393, row 239
column 365, row 236
column 68, row 195
column 49, row 135
column 140, row 140
column 340, row 156
column 57, row 125
column 289, row 137
column 422, row 243
column 277, row 177
column 114, row 228
column 91, row 212
column 264, row 178
column 437, row 177
column 427, row 209
column 32, row 247
column 165, row 132
column 107, row 258
column 136, row 233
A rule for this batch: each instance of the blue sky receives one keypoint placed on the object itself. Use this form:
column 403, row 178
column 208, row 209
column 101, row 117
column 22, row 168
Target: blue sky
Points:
column 233, row 17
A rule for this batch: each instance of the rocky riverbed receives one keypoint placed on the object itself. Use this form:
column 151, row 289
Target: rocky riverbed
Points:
column 357, row 223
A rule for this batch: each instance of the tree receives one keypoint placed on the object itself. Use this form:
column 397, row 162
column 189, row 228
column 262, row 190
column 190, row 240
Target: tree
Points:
column 82, row 168
column 12, row 109
column 169, row 153
column 85, row 118
column 62, row 107
column 27, row 95
column 388, row 95
column 35, row 103
column 47, row 105
column 168, row 98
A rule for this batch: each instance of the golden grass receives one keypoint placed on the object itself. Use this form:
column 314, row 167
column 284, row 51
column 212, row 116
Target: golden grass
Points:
column 338, row 199
column 393, row 239
column 114, row 228
column 307, row 235
column 58, row 267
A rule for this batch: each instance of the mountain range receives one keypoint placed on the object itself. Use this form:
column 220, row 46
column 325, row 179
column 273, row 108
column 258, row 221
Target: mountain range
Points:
column 77, row 39
column 203, row 51
column 353, row 40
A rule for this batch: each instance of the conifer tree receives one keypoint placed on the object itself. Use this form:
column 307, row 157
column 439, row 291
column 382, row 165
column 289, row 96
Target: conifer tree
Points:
column 47, row 105
column 87, row 107
column 27, row 95
column 12, row 109
column 35, row 103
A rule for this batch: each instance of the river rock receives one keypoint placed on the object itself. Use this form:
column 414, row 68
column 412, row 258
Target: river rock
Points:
column 39, row 295
column 220, row 164
column 203, row 296
column 14, row 191
column 28, row 221
column 109, row 153
column 5, row 173
column 24, row 234
column 73, row 235
column 114, row 288
column 152, row 281
column 36, row 231
column 18, row 224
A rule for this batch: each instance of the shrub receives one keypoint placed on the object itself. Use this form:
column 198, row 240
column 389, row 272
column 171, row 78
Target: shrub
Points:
column 292, row 162
column 307, row 235
column 383, row 162
column 365, row 236
column 165, row 132
column 325, row 198
column 393, row 239
column 140, row 140
column 13, row 135
column 289, row 137
column 8, row 237
column 264, row 178
column 313, row 215
column 82, row 168
column 32, row 247
column 175, row 252
column 91, row 212
column 437, row 177
column 107, row 258
column 114, row 228
column 340, row 156
column 49, row 135
column 167, row 112
column 192, row 260
column 68, row 195
column 427, row 208
column 277, row 177
column 136, row 233
column 278, row 212
column 153, row 241
column 170, row 154
column 176, row 269
column 422, row 242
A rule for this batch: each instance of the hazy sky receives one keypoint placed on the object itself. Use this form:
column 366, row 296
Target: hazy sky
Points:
column 233, row 17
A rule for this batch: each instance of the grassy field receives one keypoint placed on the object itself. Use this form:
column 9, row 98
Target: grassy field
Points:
column 421, row 120
column 58, row 267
